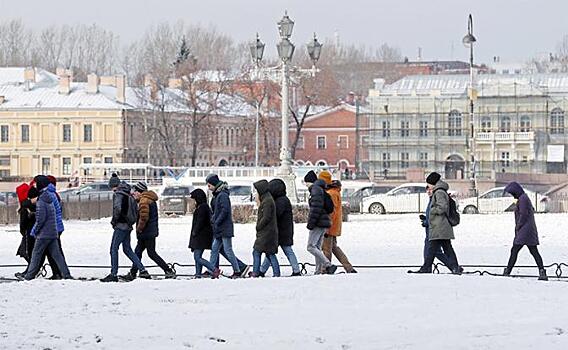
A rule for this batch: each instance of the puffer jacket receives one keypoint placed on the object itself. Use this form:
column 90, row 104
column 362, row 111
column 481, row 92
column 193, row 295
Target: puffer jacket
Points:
column 147, row 225
column 120, row 207
column 317, row 217
column 266, row 226
column 57, row 204
column 284, row 214
column 222, row 218
column 334, row 191
column 46, row 223
column 438, row 224
column 201, row 230
column 525, row 225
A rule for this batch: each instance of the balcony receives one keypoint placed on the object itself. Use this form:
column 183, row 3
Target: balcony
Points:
column 505, row 137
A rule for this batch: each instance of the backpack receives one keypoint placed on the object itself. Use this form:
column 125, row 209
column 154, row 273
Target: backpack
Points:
column 453, row 215
column 132, row 212
column 328, row 205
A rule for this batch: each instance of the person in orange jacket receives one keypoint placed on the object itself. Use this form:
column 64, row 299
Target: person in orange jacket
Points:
column 330, row 238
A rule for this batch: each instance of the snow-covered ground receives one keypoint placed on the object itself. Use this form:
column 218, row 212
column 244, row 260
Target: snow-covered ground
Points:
column 375, row 309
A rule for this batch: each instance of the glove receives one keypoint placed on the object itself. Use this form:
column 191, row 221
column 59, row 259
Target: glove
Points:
column 326, row 235
column 310, row 227
column 423, row 220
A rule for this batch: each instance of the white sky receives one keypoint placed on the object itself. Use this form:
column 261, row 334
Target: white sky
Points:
column 512, row 29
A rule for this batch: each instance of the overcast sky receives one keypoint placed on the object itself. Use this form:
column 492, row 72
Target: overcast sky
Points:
column 511, row 29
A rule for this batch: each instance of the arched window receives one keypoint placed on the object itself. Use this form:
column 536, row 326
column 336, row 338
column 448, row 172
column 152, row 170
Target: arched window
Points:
column 485, row 124
column 525, row 124
column 505, row 124
column 454, row 123
column 557, row 121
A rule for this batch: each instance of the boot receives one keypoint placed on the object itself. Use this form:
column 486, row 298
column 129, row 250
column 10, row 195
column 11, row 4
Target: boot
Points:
column 235, row 275
column 128, row 277
column 109, row 278
column 144, row 274
column 330, row 270
column 421, row 270
column 170, row 274
column 542, row 275
column 294, row 274
column 55, row 278
column 216, row 273
column 507, row 271
column 352, row 271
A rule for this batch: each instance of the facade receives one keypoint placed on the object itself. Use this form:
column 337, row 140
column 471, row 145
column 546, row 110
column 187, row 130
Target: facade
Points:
column 424, row 122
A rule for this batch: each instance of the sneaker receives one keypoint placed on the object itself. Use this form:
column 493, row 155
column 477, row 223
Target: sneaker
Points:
column 352, row 271
column 422, row 270
column 236, row 275
column 253, row 275
column 144, row 274
column 128, row 277
column 330, row 270
column 55, row 278
column 20, row 275
column 109, row 278
column 216, row 273
column 542, row 275
column 170, row 274
column 294, row 274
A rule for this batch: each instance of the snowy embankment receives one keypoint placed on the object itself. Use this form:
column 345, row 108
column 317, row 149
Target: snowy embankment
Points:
column 375, row 309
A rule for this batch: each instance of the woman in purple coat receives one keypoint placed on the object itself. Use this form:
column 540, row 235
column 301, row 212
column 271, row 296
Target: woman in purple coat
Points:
column 525, row 230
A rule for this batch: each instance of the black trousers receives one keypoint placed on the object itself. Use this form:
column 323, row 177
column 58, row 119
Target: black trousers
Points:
column 51, row 260
column 532, row 249
column 150, row 246
column 446, row 246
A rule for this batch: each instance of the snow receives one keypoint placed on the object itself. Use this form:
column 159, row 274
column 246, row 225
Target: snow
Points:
column 375, row 309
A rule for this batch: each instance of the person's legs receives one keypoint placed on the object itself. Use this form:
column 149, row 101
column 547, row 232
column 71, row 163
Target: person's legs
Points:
column 432, row 248
column 314, row 247
column 536, row 255
column 256, row 257
column 327, row 246
column 200, row 262
column 228, row 246
column 513, row 257
column 265, row 265
column 275, row 266
column 338, row 253
column 140, row 247
column 451, row 254
column 151, row 246
column 117, row 238
column 127, row 249
column 54, row 251
column 289, row 252
column 216, row 247
column 39, row 249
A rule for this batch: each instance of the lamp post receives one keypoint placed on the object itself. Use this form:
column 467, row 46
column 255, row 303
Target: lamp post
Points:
column 468, row 40
column 257, row 51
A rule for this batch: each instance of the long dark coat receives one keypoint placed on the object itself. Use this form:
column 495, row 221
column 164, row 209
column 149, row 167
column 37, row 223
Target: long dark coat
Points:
column 525, row 225
column 284, row 215
column 222, row 218
column 266, row 226
column 201, row 230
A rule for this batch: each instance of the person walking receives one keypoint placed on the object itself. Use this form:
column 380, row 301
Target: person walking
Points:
column 222, row 222
column 124, row 216
column 266, row 230
column 329, row 245
column 526, row 233
column 318, row 222
column 45, row 232
column 147, row 230
column 26, row 212
column 441, row 231
column 285, row 222
column 201, row 233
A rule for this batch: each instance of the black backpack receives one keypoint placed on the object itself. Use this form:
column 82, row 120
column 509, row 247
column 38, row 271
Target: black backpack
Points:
column 453, row 215
column 132, row 212
column 328, row 203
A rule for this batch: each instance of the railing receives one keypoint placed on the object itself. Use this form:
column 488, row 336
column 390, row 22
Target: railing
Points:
column 504, row 136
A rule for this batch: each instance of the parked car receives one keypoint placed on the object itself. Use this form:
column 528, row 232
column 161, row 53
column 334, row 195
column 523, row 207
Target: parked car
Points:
column 93, row 190
column 241, row 193
column 174, row 200
column 496, row 200
column 406, row 198
column 355, row 198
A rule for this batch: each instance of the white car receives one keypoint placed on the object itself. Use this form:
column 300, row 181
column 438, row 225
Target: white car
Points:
column 407, row 198
column 496, row 200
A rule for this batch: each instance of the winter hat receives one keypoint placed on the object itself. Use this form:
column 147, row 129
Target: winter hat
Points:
column 22, row 192
column 433, row 178
column 41, row 182
column 33, row 193
column 325, row 176
column 114, row 181
column 140, row 187
column 212, row 179
column 52, row 180
column 310, row 177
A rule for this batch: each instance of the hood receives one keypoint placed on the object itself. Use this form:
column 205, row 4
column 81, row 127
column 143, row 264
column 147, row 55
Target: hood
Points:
column 441, row 185
column 320, row 183
column 124, row 188
column 221, row 187
column 199, row 196
column 51, row 188
column 515, row 189
column 46, row 197
column 277, row 188
column 151, row 195
column 261, row 187
column 335, row 184
column 22, row 192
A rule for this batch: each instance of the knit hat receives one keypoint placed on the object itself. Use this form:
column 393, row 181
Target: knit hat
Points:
column 433, row 178
column 33, row 193
column 325, row 176
column 114, row 181
column 310, row 177
column 140, row 187
column 212, row 179
column 22, row 192
column 41, row 182
column 52, row 180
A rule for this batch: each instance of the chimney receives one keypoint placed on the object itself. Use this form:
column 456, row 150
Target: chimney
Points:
column 174, row 83
column 92, row 83
column 29, row 74
column 64, row 84
column 121, row 88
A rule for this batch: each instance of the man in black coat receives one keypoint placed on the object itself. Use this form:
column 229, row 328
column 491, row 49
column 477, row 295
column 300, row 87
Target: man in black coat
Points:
column 201, row 232
column 285, row 221
column 318, row 222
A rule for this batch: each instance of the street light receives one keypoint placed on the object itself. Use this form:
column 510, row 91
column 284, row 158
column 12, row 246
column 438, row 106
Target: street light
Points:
column 468, row 41
column 285, row 26
column 314, row 51
column 257, row 51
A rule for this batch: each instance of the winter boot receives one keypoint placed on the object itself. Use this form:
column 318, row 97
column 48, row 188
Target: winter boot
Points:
column 330, row 270
column 144, row 274
column 55, row 277
column 294, row 274
column 216, row 273
column 170, row 274
column 542, row 275
column 421, row 270
column 507, row 271
column 236, row 275
column 20, row 275
column 352, row 271
column 109, row 278
column 128, row 277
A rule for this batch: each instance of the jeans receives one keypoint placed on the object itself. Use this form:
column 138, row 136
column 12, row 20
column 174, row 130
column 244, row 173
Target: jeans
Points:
column 532, row 249
column 438, row 254
column 41, row 246
column 289, row 252
column 122, row 237
column 200, row 262
column 330, row 247
column 227, row 244
column 272, row 260
column 150, row 245
column 446, row 245
column 54, row 269
column 315, row 240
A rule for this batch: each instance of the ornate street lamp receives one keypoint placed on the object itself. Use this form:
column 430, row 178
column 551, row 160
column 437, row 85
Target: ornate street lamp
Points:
column 285, row 50
column 285, row 26
column 468, row 41
column 257, row 50
column 314, row 49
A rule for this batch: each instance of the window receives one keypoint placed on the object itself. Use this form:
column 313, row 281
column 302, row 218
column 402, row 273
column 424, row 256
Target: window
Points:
column 300, row 144
column 404, row 160
column 45, row 165
column 505, row 124
column 25, row 133
column 454, row 123
column 321, row 142
column 556, row 121
column 131, row 128
column 485, row 124
column 404, row 128
column 386, row 129
column 423, row 124
column 505, row 159
column 66, row 166
column 423, row 157
column 343, row 142
column 525, row 124
column 4, row 133
column 88, row 133
column 4, row 160
column 87, row 160
column 108, row 160
column 386, row 160
column 66, row 132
